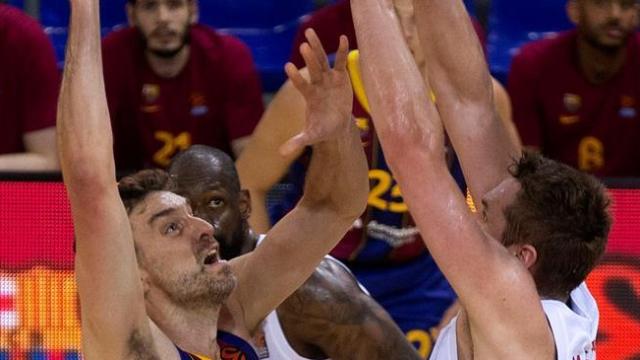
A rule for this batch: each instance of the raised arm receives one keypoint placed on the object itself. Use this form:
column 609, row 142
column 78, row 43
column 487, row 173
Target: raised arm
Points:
column 483, row 273
column 260, row 165
column 459, row 76
column 335, row 191
column 114, row 323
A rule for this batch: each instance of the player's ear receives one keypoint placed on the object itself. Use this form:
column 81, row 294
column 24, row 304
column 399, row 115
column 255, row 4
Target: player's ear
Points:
column 528, row 255
column 244, row 203
column 572, row 11
column 131, row 16
column 194, row 10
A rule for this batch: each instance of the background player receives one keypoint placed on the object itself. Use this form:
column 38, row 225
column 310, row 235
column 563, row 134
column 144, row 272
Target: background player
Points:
column 172, row 82
column 576, row 95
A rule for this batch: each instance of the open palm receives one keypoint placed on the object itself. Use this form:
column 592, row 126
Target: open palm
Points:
column 327, row 92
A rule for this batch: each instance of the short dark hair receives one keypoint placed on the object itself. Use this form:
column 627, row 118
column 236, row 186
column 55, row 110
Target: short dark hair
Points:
column 134, row 188
column 563, row 213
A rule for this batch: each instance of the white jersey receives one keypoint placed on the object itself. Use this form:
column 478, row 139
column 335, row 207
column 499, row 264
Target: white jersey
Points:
column 574, row 328
column 275, row 345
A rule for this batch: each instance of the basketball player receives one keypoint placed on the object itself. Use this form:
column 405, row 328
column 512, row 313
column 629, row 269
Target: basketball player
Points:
column 330, row 316
column 518, row 268
column 150, row 279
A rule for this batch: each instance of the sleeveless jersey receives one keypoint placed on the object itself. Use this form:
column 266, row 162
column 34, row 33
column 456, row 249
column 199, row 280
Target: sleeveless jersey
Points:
column 275, row 345
column 574, row 328
column 231, row 348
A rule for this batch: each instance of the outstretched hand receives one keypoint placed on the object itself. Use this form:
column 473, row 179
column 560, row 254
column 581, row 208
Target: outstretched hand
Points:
column 328, row 93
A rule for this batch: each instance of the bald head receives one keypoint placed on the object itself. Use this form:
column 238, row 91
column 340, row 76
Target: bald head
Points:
column 204, row 164
column 207, row 177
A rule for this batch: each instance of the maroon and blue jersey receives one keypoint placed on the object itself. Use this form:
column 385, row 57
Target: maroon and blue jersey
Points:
column 231, row 348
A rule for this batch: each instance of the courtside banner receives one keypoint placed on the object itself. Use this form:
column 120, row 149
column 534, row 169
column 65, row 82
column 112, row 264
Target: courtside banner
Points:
column 39, row 307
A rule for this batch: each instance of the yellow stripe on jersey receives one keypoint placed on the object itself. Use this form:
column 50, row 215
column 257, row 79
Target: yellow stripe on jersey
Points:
column 353, row 65
column 470, row 202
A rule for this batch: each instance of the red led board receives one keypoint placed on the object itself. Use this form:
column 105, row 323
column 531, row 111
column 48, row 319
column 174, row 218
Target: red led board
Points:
column 38, row 303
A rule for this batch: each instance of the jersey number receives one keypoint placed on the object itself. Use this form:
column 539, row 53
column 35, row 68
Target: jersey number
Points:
column 383, row 184
column 171, row 145
column 590, row 154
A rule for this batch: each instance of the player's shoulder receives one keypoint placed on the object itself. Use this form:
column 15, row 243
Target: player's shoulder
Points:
column 121, row 41
column 216, row 44
column 549, row 50
column 122, row 56
column 330, row 291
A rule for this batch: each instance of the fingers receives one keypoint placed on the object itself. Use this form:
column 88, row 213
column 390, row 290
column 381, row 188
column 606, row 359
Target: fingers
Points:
column 294, row 145
column 318, row 49
column 342, row 54
column 296, row 78
column 311, row 60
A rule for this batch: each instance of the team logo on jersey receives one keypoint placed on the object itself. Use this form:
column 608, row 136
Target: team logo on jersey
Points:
column 150, row 92
column 569, row 119
column 627, row 107
column 198, row 104
column 572, row 102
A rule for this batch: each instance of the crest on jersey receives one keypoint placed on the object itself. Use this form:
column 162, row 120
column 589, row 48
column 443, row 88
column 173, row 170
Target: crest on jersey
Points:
column 572, row 102
column 150, row 92
column 627, row 107
column 198, row 104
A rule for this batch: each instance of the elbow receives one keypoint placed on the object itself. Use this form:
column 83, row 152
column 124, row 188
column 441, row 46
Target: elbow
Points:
column 81, row 174
column 52, row 163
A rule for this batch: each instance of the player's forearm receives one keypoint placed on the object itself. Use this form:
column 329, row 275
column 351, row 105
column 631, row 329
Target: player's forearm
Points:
column 405, row 120
column 29, row 162
column 461, row 81
column 337, row 176
column 84, row 131
column 455, row 59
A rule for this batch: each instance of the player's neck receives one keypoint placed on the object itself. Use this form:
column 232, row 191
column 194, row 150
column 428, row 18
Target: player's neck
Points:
column 598, row 65
column 168, row 67
column 194, row 331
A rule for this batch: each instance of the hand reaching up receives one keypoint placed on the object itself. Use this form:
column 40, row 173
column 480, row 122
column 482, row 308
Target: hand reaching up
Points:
column 327, row 92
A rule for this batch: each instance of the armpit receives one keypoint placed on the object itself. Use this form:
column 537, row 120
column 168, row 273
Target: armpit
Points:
column 141, row 347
